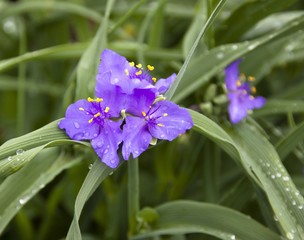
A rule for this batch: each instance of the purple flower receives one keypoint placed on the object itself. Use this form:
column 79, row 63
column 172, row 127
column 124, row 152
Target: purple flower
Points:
column 90, row 120
column 116, row 70
column 163, row 120
column 241, row 101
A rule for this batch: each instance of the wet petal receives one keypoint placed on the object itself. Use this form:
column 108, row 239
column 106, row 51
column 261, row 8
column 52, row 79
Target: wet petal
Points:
column 168, row 120
column 107, row 142
column 140, row 101
column 232, row 75
column 76, row 122
column 163, row 84
column 136, row 137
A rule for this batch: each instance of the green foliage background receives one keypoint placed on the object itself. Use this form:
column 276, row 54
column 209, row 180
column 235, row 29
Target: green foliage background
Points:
column 218, row 181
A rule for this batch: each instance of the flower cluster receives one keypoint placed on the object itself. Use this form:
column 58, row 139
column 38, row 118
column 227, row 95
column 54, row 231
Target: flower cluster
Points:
column 129, row 110
column 239, row 93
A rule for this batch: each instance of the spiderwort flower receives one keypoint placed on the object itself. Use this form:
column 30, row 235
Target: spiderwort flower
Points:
column 90, row 119
column 241, row 101
column 162, row 120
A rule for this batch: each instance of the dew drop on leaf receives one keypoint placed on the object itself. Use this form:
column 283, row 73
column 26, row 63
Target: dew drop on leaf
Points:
column 19, row 151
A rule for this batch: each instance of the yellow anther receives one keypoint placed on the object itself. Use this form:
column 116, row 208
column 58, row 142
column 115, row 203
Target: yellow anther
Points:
column 251, row 97
column 138, row 73
column 154, row 79
column 238, row 83
column 150, row 106
column 251, row 79
column 127, row 72
column 159, row 125
column 99, row 100
column 131, row 64
column 165, row 114
column 151, row 68
column 91, row 120
column 143, row 113
column 97, row 114
column 107, row 109
column 81, row 109
column 90, row 99
column 179, row 134
column 139, row 65
column 253, row 89
column 244, row 92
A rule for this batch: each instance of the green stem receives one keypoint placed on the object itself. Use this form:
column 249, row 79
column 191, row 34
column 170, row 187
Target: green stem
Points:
column 133, row 194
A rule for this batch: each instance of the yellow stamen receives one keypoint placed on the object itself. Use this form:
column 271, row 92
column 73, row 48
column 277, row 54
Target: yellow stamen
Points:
column 154, row 79
column 238, row 83
column 165, row 114
column 151, row 68
column 138, row 73
column 143, row 113
column 139, row 65
column 91, row 120
column 179, row 134
column 127, row 72
column 251, row 97
column 244, row 92
column 97, row 114
column 81, row 109
column 251, row 79
column 90, row 99
column 107, row 109
column 159, row 125
column 99, row 100
column 253, row 89
column 150, row 106
column 131, row 64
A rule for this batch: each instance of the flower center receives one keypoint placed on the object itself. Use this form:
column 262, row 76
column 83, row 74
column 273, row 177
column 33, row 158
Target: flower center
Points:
column 137, row 72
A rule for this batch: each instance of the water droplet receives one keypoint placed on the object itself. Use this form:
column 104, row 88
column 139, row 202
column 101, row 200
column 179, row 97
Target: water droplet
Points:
column 86, row 134
column 42, row 185
column 105, row 151
column 234, row 46
column 268, row 164
column 19, row 151
column 112, row 161
column 294, row 203
column 251, row 47
column 232, row 237
column 275, row 218
column 76, row 125
column 220, row 55
column 287, row 189
column 300, row 207
column 90, row 166
column 9, row 26
column 10, row 158
column 24, row 200
column 289, row 235
column 162, row 136
column 99, row 144
column 279, row 175
column 95, row 135
column 273, row 176
column 286, row 178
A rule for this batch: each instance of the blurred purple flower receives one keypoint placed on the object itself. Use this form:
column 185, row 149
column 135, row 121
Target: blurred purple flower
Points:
column 241, row 101
column 89, row 119
column 162, row 120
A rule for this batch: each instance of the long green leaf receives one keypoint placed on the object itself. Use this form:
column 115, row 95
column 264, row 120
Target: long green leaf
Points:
column 180, row 74
column 182, row 217
column 261, row 162
column 27, row 182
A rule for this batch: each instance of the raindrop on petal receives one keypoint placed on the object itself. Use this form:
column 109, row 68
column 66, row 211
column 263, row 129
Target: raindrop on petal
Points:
column 76, row 125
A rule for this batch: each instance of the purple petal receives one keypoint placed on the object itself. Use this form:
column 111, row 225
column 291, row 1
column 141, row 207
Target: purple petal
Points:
column 107, row 142
column 76, row 122
column 258, row 102
column 168, row 120
column 112, row 95
column 140, row 101
column 237, row 109
column 136, row 137
column 112, row 62
column 163, row 84
column 232, row 75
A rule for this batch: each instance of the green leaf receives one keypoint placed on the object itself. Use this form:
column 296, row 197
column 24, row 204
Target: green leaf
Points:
column 260, row 161
column 289, row 142
column 174, row 85
column 28, row 181
column 96, row 175
column 246, row 17
column 88, row 64
column 182, row 217
column 278, row 106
